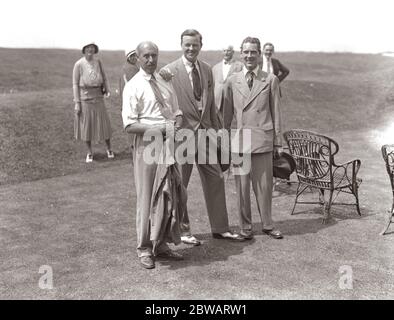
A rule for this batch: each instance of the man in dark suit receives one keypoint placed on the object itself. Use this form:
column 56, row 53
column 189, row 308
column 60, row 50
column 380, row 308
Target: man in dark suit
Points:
column 272, row 65
column 251, row 96
column 193, row 83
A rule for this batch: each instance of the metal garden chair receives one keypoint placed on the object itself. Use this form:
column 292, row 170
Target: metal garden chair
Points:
column 316, row 169
column 388, row 157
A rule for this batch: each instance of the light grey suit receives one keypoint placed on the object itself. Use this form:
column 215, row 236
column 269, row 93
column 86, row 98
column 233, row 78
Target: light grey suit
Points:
column 210, row 174
column 257, row 110
column 217, row 72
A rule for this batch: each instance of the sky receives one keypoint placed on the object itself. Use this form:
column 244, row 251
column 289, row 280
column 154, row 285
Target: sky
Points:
column 361, row 26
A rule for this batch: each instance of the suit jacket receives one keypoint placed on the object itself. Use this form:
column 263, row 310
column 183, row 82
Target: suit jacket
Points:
column 279, row 69
column 187, row 103
column 257, row 110
column 217, row 71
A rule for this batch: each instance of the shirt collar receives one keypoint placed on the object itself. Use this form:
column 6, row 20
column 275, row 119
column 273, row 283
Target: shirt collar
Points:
column 255, row 70
column 147, row 76
column 226, row 63
column 188, row 63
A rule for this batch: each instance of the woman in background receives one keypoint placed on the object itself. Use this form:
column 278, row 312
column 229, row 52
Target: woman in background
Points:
column 89, row 87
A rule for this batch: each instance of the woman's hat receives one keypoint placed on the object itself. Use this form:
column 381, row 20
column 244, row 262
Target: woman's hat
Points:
column 283, row 166
column 96, row 49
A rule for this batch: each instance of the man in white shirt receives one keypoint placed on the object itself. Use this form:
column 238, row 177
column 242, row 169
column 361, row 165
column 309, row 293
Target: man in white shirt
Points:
column 149, row 105
column 221, row 71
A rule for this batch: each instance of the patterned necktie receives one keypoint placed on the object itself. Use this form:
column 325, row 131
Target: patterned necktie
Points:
column 159, row 97
column 196, row 83
column 249, row 79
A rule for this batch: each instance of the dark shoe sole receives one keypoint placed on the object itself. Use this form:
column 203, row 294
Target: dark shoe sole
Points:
column 220, row 237
column 146, row 266
column 272, row 235
column 192, row 243
column 247, row 237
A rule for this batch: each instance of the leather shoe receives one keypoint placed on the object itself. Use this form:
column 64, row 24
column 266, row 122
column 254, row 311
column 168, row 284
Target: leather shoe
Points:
column 170, row 255
column 247, row 235
column 147, row 262
column 228, row 236
column 276, row 234
column 190, row 240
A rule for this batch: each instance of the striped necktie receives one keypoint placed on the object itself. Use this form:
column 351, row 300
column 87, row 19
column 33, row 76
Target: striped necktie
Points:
column 197, row 91
column 249, row 79
column 159, row 97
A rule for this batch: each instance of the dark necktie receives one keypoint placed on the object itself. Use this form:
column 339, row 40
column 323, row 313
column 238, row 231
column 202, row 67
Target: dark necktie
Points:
column 159, row 97
column 249, row 79
column 196, row 83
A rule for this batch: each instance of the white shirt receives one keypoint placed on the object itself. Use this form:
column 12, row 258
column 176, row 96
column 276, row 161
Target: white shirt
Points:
column 226, row 69
column 267, row 62
column 189, row 69
column 140, row 103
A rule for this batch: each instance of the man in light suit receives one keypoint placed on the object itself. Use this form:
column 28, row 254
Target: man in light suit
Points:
column 193, row 83
column 222, row 71
column 252, row 97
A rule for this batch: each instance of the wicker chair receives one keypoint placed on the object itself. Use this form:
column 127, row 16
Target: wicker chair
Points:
column 388, row 157
column 316, row 169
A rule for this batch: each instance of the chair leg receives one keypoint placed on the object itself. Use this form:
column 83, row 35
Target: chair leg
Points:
column 321, row 196
column 327, row 208
column 355, row 193
column 295, row 201
column 390, row 220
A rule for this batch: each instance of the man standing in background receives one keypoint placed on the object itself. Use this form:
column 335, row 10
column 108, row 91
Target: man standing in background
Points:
column 272, row 65
column 221, row 71
column 129, row 70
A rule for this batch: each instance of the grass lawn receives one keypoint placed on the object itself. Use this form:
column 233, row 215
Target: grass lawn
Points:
column 80, row 219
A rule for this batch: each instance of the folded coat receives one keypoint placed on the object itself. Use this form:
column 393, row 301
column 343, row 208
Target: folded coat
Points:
column 168, row 203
